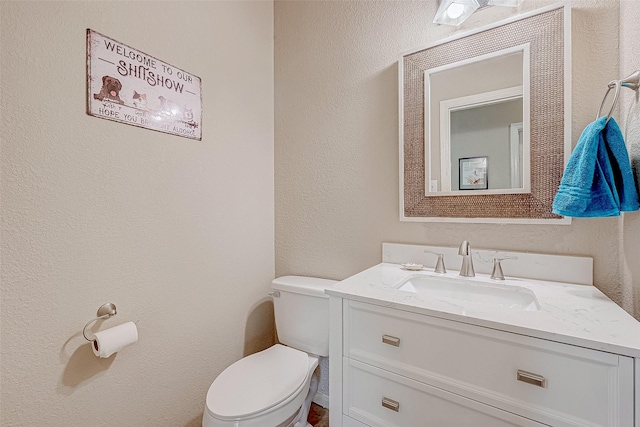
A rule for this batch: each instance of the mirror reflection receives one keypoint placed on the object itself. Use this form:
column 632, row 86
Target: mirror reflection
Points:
column 477, row 113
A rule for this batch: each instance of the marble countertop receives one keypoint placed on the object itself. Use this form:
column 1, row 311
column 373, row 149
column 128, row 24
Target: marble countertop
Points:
column 573, row 314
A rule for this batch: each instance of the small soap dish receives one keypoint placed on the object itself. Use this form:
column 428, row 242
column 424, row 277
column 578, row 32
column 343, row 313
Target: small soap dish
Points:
column 413, row 267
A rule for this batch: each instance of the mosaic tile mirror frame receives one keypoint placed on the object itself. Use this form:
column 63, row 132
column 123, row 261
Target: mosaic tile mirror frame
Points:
column 547, row 31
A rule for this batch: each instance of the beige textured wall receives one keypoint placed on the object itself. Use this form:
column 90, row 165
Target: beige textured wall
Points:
column 336, row 137
column 629, row 119
column 177, row 233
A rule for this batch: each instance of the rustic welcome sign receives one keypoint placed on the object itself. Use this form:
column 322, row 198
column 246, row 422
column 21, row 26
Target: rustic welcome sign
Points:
column 129, row 86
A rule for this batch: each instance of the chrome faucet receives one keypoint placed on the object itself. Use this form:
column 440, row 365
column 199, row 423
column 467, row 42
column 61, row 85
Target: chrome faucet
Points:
column 467, row 260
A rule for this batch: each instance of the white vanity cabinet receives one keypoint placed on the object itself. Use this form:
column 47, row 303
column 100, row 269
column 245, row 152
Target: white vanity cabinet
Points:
column 403, row 369
column 428, row 358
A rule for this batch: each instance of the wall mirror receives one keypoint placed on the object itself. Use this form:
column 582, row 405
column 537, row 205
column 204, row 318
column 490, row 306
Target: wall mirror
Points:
column 478, row 109
column 485, row 122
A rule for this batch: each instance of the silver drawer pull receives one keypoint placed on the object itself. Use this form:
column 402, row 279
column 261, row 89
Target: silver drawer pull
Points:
column 388, row 339
column 390, row 404
column 530, row 378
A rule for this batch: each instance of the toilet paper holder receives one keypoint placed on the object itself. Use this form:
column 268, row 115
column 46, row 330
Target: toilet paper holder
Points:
column 104, row 312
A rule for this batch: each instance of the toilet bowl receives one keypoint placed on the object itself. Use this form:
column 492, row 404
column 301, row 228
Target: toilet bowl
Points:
column 264, row 389
column 275, row 387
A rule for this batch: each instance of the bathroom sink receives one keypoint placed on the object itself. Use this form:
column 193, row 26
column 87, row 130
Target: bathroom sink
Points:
column 465, row 292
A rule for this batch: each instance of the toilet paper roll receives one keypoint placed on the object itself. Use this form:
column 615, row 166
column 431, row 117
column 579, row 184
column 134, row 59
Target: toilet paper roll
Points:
column 114, row 339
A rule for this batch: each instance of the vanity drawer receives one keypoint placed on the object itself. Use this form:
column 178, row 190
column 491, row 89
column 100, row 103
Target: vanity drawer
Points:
column 556, row 384
column 379, row 398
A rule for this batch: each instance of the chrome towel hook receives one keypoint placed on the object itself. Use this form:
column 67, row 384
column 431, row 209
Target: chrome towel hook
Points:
column 104, row 312
column 632, row 82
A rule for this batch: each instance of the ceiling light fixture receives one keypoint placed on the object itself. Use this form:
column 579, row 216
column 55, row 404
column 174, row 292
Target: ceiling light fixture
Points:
column 454, row 12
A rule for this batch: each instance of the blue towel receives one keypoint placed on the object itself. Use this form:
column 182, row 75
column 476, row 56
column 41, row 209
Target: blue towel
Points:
column 598, row 180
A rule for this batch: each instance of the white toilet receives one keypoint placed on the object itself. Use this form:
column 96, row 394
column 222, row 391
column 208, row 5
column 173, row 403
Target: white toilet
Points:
column 274, row 388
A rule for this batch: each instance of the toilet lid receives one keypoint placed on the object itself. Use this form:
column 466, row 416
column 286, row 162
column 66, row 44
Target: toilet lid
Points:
column 258, row 382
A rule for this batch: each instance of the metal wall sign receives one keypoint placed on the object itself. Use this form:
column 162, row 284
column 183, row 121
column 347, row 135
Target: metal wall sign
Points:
column 129, row 86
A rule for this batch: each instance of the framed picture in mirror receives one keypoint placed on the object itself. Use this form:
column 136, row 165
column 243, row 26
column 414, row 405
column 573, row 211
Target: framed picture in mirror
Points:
column 473, row 173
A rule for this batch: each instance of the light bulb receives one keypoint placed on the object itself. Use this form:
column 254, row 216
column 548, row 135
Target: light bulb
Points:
column 455, row 10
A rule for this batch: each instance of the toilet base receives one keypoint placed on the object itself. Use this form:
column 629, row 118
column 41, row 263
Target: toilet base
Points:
column 303, row 415
column 300, row 419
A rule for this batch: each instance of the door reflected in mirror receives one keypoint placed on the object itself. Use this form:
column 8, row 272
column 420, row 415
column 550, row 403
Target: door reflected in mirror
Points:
column 479, row 108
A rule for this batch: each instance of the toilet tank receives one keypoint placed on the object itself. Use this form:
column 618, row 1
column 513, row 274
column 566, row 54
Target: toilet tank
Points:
column 301, row 310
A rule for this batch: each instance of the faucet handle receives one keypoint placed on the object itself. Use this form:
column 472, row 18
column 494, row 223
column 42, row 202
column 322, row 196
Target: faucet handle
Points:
column 497, row 273
column 440, row 268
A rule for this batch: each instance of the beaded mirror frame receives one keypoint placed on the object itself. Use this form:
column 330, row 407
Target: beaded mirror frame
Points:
column 548, row 33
